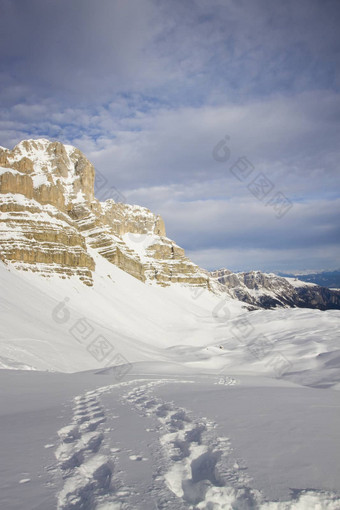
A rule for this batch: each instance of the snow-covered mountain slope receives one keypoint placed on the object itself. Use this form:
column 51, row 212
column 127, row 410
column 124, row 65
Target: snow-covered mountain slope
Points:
column 270, row 291
column 140, row 321
column 66, row 326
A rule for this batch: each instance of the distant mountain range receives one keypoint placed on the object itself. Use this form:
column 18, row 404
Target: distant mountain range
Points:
column 262, row 290
column 330, row 279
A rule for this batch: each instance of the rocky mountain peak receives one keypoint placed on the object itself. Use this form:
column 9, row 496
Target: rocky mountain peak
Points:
column 50, row 219
column 60, row 174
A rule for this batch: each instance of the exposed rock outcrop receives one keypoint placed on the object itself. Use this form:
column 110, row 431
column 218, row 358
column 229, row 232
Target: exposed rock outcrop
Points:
column 271, row 291
column 50, row 217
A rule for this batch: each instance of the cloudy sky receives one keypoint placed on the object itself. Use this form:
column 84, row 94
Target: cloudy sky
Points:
column 220, row 115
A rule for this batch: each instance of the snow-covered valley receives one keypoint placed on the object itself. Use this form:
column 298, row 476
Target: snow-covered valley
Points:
column 142, row 397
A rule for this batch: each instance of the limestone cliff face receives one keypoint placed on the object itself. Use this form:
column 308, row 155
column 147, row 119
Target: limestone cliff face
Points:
column 49, row 217
column 166, row 263
column 39, row 180
column 124, row 218
column 39, row 237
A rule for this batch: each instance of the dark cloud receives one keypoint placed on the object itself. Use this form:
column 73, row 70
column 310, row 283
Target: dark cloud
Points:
column 87, row 51
column 79, row 50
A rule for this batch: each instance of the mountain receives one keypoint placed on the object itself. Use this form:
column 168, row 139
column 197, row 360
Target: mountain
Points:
column 50, row 219
column 269, row 291
column 330, row 279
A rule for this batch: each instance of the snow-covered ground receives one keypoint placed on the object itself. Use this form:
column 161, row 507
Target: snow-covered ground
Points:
column 63, row 325
column 207, row 406
column 165, row 441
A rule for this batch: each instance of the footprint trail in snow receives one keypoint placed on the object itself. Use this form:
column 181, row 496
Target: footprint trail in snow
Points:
column 86, row 470
column 196, row 464
column 192, row 467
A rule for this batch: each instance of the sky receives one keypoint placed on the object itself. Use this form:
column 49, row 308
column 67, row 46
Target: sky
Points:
column 222, row 116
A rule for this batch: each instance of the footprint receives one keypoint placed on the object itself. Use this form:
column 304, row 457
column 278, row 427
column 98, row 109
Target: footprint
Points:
column 80, row 489
column 92, row 441
column 92, row 425
column 69, row 434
